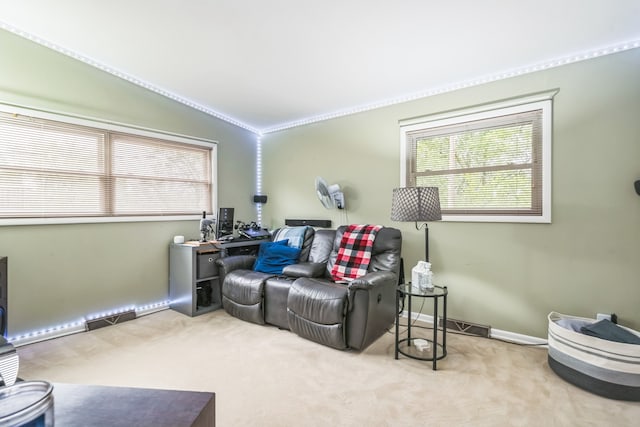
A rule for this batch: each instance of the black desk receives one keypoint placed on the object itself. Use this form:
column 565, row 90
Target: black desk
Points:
column 102, row 406
column 239, row 246
column 405, row 346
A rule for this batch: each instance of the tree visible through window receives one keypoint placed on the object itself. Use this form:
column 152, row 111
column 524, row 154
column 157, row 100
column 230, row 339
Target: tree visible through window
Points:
column 487, row 166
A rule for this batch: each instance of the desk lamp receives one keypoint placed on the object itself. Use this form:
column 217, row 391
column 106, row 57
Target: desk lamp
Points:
column 417, row 204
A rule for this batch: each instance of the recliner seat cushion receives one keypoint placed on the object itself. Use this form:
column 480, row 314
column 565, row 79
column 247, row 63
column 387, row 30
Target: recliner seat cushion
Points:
column 242, row 294
column 317, row 311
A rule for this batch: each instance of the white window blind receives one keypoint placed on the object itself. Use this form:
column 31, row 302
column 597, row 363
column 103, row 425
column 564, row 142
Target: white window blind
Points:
column 52, row 169
column 488, row 166
column 161, row 178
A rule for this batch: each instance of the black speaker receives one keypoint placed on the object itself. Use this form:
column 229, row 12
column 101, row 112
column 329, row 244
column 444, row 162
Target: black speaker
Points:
column 225, row 222
column 637, row 185
column 323, row 223
column 259, row 199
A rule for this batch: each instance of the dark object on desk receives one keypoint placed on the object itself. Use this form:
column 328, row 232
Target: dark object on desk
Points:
column 251, row 230
column 637, row 185
column 260, row 233
column 607, row 330
column 225, row 222
column 101, row 406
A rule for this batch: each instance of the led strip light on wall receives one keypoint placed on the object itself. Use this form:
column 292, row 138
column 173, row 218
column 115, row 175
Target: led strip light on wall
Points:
column 80, row 324
column 259, row 178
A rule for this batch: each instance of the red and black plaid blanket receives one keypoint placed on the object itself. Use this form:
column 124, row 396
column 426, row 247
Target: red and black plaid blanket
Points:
column 354, row 253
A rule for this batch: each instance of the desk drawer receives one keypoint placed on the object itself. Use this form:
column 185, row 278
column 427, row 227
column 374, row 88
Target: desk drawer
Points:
column 206, row 265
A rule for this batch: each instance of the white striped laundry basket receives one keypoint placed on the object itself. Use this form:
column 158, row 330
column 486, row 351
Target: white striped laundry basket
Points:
column 607, row 368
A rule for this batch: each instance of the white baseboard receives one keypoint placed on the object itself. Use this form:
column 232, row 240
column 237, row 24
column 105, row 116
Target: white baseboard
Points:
column 495, row 333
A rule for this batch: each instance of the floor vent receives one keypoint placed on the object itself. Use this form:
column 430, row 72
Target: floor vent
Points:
column 467, row 327
column 112, row 319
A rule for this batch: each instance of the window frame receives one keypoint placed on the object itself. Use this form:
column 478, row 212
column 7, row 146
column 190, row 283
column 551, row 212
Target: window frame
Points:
column 115, row 127
column 541, row 101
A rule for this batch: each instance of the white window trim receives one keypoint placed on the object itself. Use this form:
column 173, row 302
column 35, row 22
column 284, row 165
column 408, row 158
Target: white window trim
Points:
column 115, row 127
column 541, row 101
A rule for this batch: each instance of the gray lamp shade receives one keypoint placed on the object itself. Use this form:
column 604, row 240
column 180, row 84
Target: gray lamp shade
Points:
column 416, row 204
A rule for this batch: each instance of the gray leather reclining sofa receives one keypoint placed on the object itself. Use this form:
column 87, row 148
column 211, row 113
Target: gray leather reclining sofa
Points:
column 305, row 300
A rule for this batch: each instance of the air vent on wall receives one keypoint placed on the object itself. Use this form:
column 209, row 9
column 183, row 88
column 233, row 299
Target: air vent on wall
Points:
column 467, row 327
column 108, row 320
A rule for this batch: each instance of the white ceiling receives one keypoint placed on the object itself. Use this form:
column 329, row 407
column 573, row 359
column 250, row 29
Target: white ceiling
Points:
column 266, row 65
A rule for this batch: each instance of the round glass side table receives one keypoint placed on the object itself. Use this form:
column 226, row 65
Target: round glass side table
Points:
column 406, row 345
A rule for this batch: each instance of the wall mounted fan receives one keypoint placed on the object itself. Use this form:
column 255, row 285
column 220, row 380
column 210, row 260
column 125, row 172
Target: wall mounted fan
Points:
column 330, row 195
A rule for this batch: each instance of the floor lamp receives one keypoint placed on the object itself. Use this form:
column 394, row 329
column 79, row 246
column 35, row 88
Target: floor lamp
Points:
column 419, row 204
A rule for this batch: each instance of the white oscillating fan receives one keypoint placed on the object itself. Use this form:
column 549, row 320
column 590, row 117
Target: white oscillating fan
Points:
column 330, row 195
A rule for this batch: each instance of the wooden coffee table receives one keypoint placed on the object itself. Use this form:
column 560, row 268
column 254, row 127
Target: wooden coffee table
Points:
column 97, row 406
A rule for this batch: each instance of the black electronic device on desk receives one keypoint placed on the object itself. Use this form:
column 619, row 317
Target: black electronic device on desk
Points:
column 246, row 242
column 252, row 230
column 225, row 222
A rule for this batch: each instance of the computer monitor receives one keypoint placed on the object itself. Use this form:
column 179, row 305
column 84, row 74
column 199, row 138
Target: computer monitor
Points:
column 224, row 222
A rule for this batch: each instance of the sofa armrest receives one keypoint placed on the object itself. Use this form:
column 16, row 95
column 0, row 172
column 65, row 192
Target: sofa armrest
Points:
column 235, row 262
column 373, row 279
column 372, row 307
column 305, row 269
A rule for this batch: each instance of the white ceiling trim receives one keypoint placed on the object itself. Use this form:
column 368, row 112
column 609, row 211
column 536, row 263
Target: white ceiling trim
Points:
column 544, row 65
column 128, row 77
column 568, row 59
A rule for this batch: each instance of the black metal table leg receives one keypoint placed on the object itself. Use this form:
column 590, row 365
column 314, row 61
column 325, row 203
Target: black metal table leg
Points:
column 398, row 292
column 435, row 333
column 409, row 322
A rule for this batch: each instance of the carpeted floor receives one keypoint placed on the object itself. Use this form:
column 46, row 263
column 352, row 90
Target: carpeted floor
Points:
column 263, row 376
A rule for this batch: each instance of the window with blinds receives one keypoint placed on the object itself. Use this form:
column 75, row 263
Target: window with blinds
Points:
column 488, row 166
column 51, row 169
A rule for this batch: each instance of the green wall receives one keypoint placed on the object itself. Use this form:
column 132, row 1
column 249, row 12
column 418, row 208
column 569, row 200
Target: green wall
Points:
column 508, row 276
column 60, row 273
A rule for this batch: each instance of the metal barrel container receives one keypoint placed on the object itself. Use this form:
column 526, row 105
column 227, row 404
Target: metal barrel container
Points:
column 27, row 403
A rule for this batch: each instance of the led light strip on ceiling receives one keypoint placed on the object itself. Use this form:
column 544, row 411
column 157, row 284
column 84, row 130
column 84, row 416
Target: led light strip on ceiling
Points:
column 128, row 77
column 595, row 53
column 569, row 59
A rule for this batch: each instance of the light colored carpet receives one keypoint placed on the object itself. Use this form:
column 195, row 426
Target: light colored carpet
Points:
column 263, row 376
